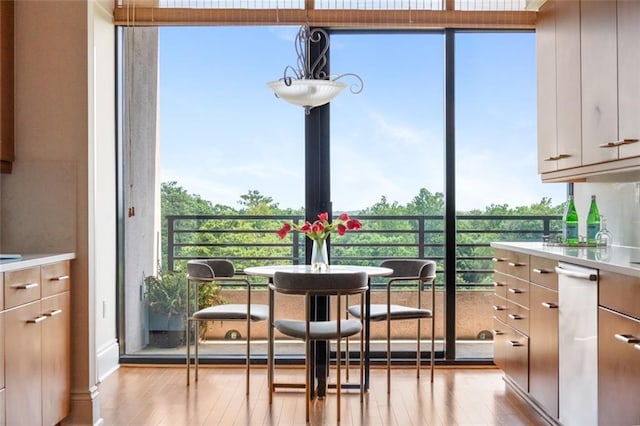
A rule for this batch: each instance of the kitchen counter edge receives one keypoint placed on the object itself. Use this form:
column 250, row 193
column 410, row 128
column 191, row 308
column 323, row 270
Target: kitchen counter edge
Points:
column 31, row 260
column 620, row 259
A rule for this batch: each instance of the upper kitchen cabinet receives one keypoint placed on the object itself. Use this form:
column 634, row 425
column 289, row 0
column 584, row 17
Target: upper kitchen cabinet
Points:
column 558, row 55
column 628, row 77
column 597, row 92
column 599, row 81
column 6, row 86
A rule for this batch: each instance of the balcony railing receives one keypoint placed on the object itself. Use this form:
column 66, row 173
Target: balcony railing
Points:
column 252, row 240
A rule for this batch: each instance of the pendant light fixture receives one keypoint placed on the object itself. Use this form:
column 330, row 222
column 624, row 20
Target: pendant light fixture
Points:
column 308, row 85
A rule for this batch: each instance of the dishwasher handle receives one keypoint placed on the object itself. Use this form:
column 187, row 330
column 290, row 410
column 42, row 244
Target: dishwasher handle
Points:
column 576, row 274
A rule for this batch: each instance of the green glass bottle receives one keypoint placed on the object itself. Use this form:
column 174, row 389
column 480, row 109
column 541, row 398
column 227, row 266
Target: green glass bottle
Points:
column 593, row 221
column 570, row 223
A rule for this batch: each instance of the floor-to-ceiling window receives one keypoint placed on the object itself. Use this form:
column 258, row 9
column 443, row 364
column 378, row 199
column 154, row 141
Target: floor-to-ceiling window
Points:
column 499, row 195
column 387, row 158
column 231, row 158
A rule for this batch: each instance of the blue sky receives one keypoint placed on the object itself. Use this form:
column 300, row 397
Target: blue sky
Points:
column 224, row 133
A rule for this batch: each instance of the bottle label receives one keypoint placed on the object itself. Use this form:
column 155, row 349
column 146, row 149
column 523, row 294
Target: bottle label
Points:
column 592, row 230
column 571, row 233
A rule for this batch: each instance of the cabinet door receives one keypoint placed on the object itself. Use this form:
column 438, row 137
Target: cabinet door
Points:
column 56, row 365
column 599, row 80
column 629, row 77
column 546, row 58
column 568, row 108
column 517, row 359
column 500, row 342
column 23, row 379
column 6, row 86
column 543, row 348
column 618, row 369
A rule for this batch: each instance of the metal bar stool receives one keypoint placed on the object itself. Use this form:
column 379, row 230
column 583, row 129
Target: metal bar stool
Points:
column 419, row 271
column 315, row 284
column 202, row 272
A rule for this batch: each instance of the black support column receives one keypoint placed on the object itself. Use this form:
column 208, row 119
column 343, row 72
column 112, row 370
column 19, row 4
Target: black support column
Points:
column 450, row 198
column 318, row 200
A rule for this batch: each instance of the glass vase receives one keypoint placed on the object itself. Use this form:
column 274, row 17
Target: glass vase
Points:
column 319, row 256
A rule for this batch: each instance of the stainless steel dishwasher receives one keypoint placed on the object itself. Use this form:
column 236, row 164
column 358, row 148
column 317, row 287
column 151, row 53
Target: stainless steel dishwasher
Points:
column 577, row 344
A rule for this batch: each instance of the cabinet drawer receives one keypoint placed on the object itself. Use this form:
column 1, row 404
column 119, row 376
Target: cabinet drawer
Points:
column 512, row 263
column 543, row 272
column 500, row 284
column 618, row 368
column 55, row 278
column 21, row 287
column 620, row 293
column 514, row 348
column 500, row 308
column 518, row 291
column 501, row 335
column 518, row 317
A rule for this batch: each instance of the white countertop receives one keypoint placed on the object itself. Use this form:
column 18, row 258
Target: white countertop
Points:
column 618, row 259
column 31, row 260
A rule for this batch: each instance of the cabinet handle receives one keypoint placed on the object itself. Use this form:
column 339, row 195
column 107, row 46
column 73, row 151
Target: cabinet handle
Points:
column 549, row 305
column 557, row 157
column 498, row 308
column 515, row 316
column 618, row 143
column 541, row 271
column 514, row 343
column 499, row 259
column 498, row 284
column 515, row 291
column 60, row 278
column 574, row 274
column 52, row 313
column 516, row 264
column 497, row 332
column 627, row 338
column 37, row 319
column 637, row 346
column 25, row 286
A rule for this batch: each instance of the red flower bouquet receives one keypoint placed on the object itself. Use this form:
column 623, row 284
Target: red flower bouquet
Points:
column 319, row 230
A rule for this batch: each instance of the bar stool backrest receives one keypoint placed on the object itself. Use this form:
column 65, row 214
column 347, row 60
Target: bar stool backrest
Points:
column 210, row 268
column 321, row 283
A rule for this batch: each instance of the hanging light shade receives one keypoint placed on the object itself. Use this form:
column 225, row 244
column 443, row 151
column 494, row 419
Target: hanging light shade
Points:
column 309, row 85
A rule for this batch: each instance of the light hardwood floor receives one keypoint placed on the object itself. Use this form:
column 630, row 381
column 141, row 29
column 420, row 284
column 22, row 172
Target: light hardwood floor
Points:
column 157, row 395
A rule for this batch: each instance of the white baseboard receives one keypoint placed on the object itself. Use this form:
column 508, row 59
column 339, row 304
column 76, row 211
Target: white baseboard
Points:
column 108, row 359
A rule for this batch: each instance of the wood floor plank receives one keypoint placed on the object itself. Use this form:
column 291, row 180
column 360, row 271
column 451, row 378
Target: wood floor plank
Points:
column 158, row 396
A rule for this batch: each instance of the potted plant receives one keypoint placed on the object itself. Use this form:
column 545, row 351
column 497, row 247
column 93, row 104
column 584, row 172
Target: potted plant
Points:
column 166, row 296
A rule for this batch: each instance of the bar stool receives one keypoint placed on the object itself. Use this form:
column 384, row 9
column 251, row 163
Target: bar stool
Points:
column 318, row 284
column 202, row 272
column 405, row 271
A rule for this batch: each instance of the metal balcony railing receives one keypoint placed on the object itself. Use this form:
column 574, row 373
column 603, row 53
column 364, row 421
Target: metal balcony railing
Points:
column 252, row 240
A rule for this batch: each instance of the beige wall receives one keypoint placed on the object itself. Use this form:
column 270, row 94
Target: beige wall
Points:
column 61, row 195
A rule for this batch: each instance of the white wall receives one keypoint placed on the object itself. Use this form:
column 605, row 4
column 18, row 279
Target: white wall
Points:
column 616, row 197
column 102, row 171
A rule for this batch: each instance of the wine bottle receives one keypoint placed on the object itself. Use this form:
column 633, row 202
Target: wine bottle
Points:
column 570, row 223
column 593, row 221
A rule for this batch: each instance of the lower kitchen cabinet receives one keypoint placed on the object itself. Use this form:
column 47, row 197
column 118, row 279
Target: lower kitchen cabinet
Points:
column 618, row 368
column 56, row 365
column 23, row 364
column 37, row 345
column 543, row 348
column 510, row 353
column 2, row 392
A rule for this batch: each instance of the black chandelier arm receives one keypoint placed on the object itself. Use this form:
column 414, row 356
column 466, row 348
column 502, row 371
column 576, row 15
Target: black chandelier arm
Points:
column 356, row 87
column 287, row 78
